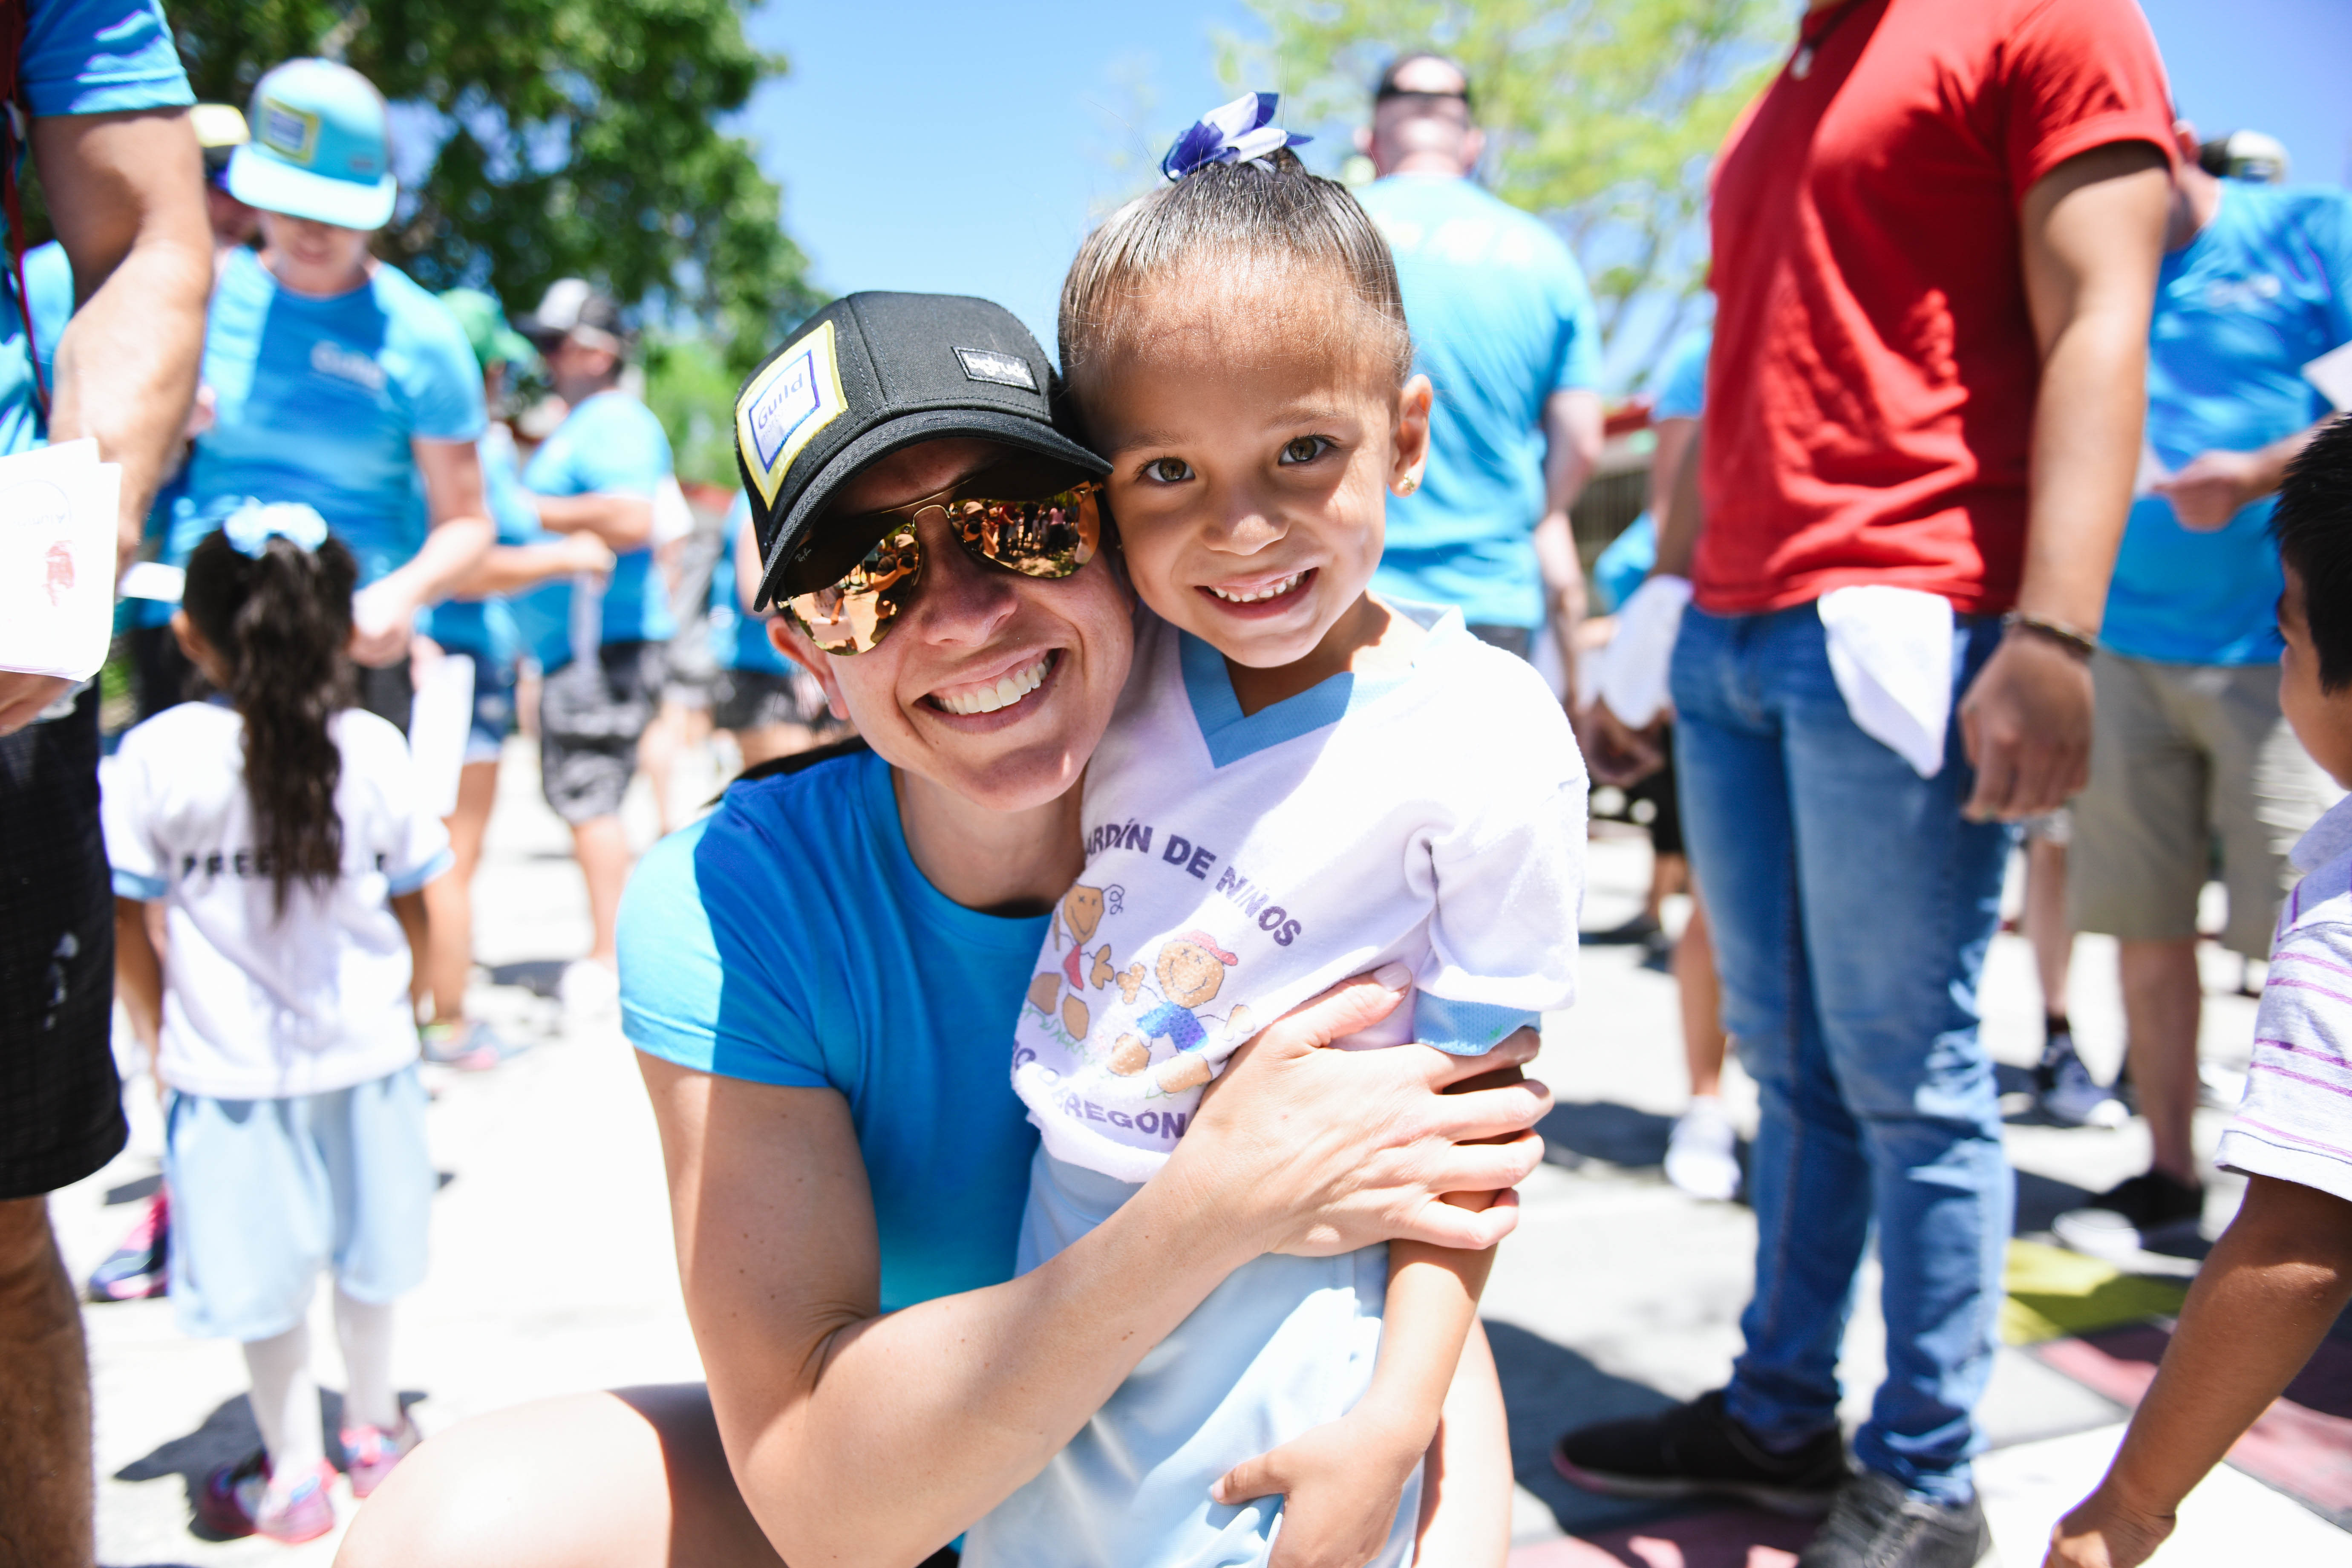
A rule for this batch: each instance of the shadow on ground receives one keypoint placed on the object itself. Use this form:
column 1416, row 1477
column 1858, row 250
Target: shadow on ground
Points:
column 1581, row 1130
column 1548, row 1388
column 539, row 976
column 223, row 1437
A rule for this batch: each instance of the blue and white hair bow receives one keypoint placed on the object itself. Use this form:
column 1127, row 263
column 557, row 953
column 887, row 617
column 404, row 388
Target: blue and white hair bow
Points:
column 1231, row 134
column 250, row 527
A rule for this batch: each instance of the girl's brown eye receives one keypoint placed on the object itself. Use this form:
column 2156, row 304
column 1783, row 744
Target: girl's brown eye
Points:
column 1167, row 470
column 1305, row 449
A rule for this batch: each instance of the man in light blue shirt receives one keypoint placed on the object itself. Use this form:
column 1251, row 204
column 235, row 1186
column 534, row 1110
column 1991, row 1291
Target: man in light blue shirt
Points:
column 1504, row 327
column 599, row 638
column 106, row 99
column 2189, row 745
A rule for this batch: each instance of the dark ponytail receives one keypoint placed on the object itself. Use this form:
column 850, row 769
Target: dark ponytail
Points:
column 281, row 623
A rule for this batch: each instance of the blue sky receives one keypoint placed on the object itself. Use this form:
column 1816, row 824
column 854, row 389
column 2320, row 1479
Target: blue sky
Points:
column 967, row 147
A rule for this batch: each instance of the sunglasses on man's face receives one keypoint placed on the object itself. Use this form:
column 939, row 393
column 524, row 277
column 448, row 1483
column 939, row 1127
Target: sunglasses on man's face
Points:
column 1029, row 518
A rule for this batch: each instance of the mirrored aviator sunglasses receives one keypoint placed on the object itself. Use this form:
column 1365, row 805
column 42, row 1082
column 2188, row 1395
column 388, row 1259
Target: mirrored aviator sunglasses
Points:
column 1050, row 532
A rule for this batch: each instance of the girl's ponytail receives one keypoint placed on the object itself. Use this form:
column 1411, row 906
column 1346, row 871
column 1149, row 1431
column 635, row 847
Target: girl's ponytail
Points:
column 280, row 615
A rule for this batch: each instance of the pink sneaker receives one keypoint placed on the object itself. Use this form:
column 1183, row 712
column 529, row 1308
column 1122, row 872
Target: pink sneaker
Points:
column 246, row 1499
column 370, row 1453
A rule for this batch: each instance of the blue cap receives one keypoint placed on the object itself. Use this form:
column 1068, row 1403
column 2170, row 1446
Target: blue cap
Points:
column 319, row 147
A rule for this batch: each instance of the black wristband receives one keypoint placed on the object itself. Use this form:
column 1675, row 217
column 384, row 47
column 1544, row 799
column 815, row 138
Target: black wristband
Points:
column 2065, row 637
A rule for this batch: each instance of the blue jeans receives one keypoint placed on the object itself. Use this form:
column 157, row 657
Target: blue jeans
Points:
column 1851, row 905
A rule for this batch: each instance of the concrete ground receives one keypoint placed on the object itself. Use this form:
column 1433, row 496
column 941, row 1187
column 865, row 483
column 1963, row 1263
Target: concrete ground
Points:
column 553, row 1269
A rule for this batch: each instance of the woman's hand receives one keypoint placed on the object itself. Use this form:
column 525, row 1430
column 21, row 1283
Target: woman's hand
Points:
column 1316, row 1152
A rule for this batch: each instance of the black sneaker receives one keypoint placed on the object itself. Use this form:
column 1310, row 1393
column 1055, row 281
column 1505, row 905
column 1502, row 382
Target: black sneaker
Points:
column 1697, row 1450
column 2141, row 1215
column 1877, row 1524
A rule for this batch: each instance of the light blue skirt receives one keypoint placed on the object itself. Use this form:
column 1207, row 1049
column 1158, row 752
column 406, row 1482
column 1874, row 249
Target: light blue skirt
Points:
column 1284, row 1344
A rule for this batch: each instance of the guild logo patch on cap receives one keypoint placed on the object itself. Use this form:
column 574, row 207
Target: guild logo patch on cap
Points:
column 782, row 411
column 291, row 133
column 1006, row 370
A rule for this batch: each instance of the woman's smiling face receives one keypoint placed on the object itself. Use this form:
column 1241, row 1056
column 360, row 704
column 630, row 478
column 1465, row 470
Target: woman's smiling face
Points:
column 1059, row 650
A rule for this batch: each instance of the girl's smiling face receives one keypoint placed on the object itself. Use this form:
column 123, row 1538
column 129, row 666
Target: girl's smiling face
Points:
column 1251, row 435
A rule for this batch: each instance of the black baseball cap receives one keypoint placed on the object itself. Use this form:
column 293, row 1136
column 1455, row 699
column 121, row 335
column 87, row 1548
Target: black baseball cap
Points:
column 866, row 376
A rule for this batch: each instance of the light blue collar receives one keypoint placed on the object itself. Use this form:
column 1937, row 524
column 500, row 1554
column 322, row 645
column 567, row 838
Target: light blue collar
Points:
column 1232, row 735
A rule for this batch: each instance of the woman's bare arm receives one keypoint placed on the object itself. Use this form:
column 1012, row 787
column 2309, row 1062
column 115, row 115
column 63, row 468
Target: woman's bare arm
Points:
column 859, row 1438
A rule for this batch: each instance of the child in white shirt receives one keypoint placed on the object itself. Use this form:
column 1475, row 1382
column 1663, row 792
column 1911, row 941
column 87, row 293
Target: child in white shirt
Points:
column 283, row 836
column 1301, row 783
column 2280, row 1275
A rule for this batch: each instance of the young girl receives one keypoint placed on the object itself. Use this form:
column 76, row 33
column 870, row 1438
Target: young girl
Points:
column 1302, row 783
column 285, row 839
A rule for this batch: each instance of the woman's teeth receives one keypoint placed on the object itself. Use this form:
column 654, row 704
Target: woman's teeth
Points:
column 1003, row 694
column 1255, row 596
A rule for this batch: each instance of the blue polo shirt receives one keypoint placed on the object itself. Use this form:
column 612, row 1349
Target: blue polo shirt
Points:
column 789, row 938
column 318, row 401
column 610, row 444
column 2261, row 292
column 80, row 57
column 1501, row 320
column 738, row 639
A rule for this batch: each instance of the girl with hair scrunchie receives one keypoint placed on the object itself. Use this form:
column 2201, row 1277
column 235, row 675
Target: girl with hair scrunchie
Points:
column 280, row 830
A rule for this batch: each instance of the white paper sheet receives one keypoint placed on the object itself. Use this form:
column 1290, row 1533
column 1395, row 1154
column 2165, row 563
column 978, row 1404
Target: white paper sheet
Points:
column 1633, row 675
column 2332, row 373
column 58, row 507
column 440, row 716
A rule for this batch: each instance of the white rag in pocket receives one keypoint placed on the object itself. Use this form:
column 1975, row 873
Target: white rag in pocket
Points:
column 1891, row 651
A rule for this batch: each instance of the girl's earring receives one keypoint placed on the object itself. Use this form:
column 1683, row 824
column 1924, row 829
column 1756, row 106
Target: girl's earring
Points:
column 1407, row 485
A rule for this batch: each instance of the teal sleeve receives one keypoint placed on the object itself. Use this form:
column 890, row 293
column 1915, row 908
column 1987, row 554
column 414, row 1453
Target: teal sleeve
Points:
column 445, row 382
column 99, row 56
column 693, row 895
column 1578, row 360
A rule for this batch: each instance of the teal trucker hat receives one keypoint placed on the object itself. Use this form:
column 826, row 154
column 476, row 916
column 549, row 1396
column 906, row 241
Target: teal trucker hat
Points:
column 319, row 147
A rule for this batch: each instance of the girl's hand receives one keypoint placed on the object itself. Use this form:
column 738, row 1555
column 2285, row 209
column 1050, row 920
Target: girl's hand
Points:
column 1317, row 1152
column 2103, row 1531
column 1342, row 1480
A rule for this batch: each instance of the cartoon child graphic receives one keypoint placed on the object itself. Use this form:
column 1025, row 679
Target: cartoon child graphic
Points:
column 1190, row 971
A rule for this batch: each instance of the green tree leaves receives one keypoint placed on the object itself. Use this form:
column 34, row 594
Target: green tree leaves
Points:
column 576, row 137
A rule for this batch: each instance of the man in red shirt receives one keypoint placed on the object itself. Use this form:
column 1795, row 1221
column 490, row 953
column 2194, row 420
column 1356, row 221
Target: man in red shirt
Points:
column 1935, row 243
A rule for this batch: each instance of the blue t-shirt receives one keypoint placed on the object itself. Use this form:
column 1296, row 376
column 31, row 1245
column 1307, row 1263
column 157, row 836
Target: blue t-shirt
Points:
column 738, row 640
column 487, row 628
column 80, row 57
column 1681, row 395
column 1501, row 320
column 318, row 401
column 788, row 938
column 2263, row 289
column 610, row 445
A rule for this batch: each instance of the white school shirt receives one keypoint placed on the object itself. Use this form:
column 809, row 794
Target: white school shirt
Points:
column 2295, row 1122
column 256, row 1006
column 1236, row 866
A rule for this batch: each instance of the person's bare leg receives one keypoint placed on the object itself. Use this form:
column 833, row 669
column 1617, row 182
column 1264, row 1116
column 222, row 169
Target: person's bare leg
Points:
column 47, row 1490
column 2162, row 999
column 602, row 848
column 450, row 900
column 658, row 753
column 633, row 1479
column 2045, row 921
column 1702, row 1005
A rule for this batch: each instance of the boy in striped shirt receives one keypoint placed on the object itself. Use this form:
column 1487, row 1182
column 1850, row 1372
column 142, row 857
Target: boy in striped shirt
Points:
column 2282, row 1270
